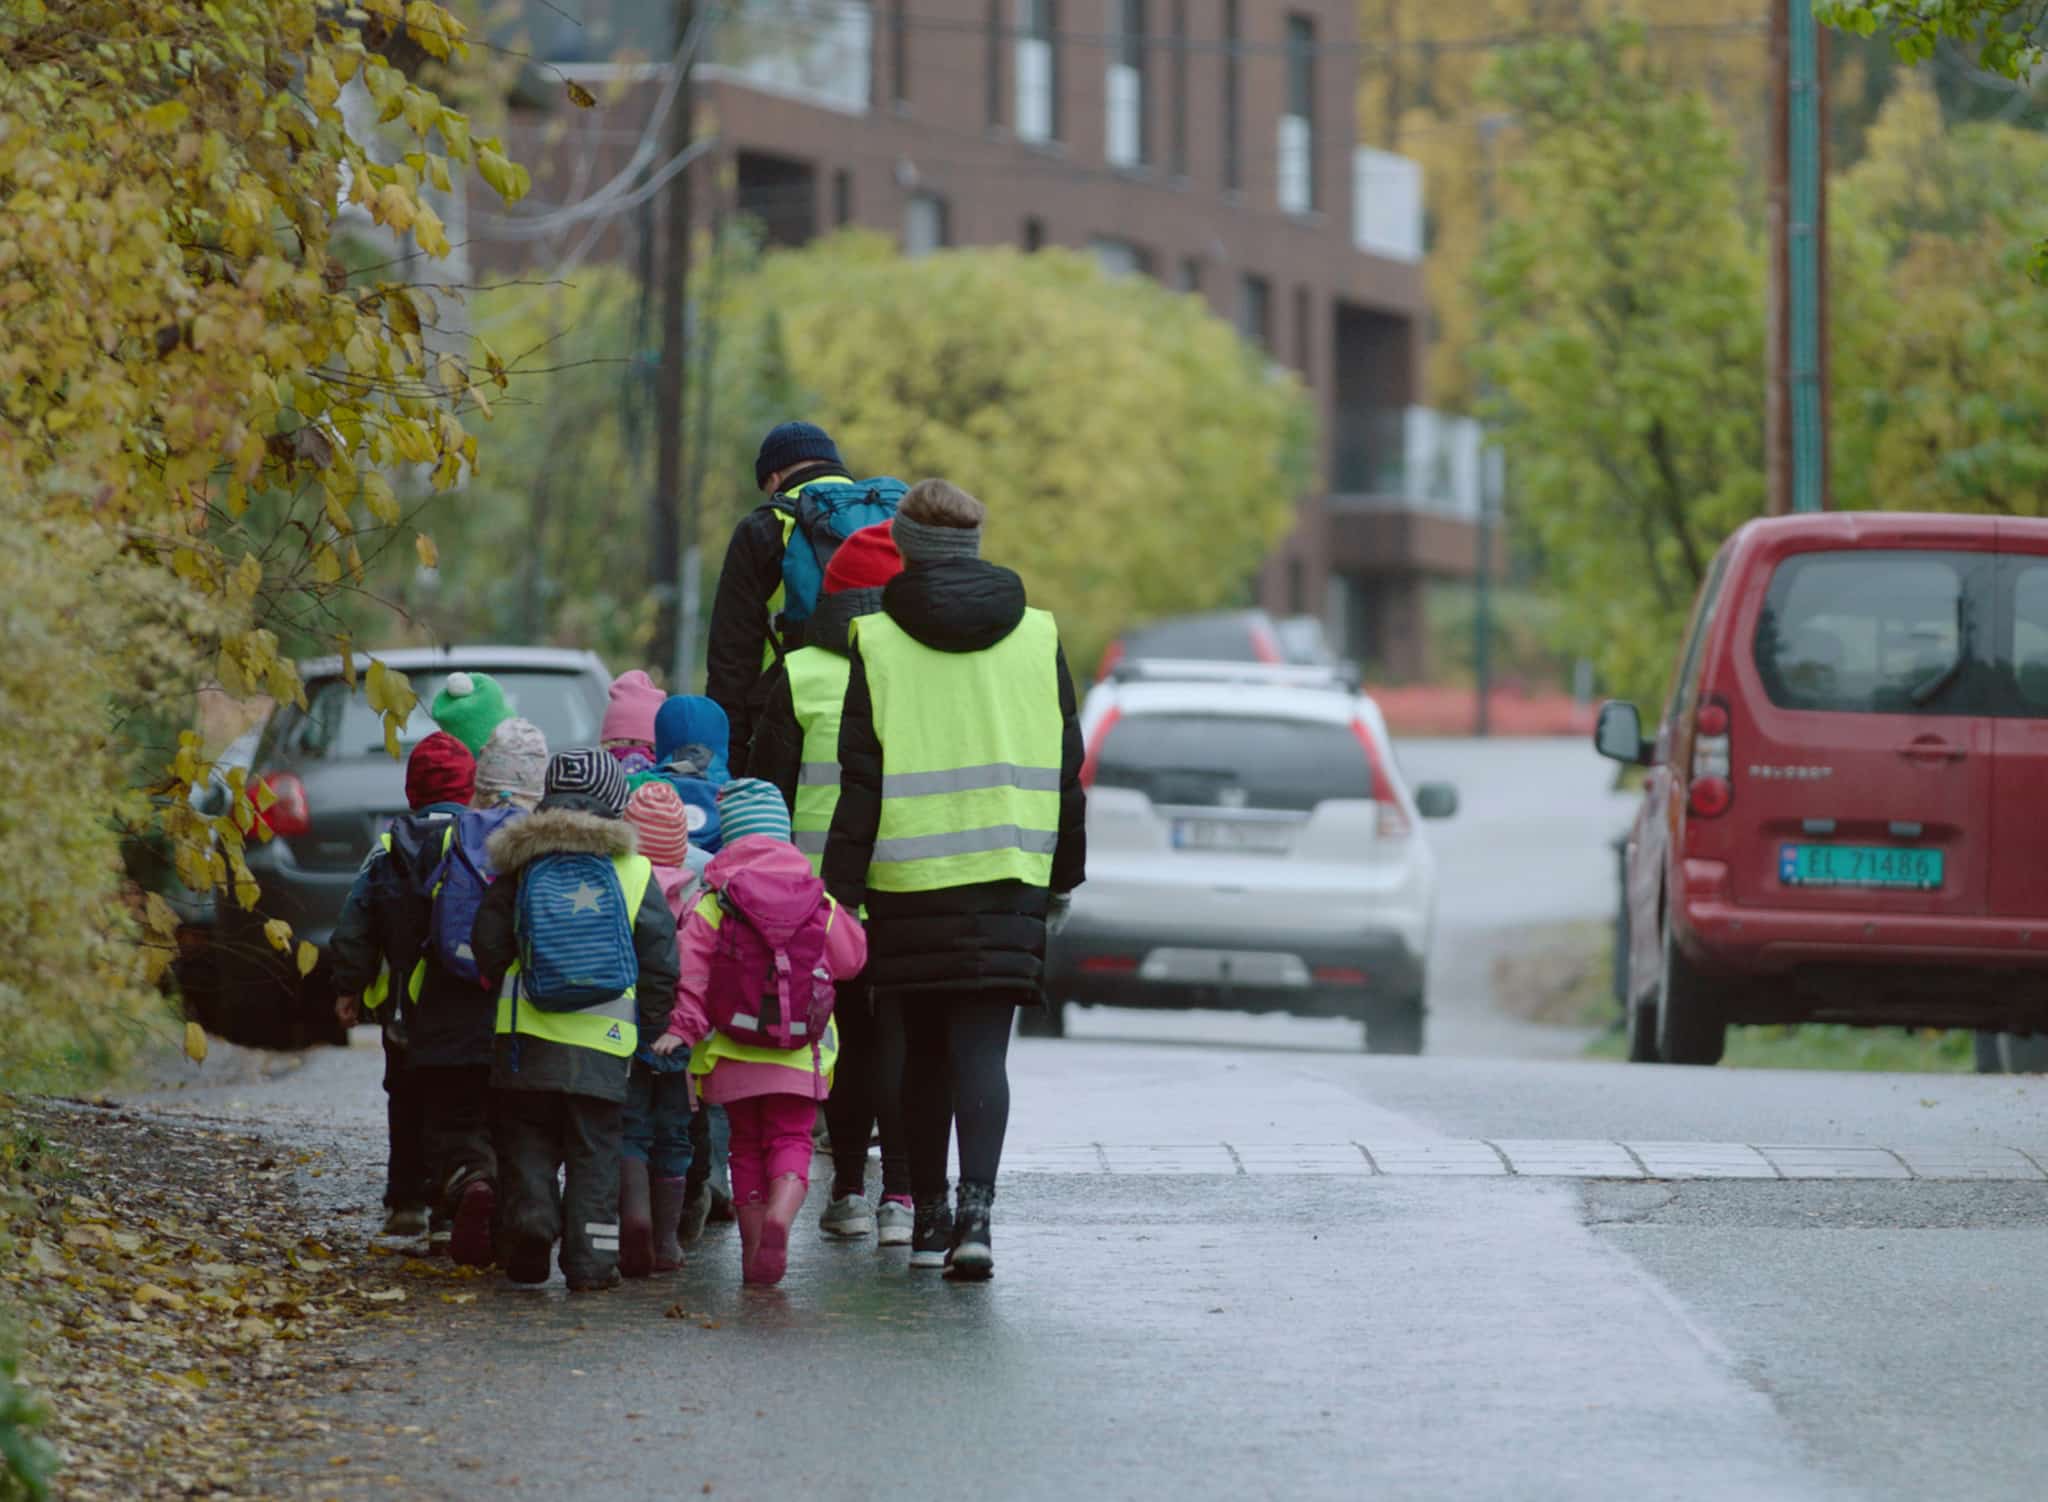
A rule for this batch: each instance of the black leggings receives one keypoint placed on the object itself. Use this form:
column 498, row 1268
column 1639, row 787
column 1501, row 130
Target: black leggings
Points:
column 945, row 1061
column 858, row 1099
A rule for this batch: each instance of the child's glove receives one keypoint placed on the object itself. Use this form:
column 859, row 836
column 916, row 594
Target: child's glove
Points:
column 667, row 1044
column 1056, row 912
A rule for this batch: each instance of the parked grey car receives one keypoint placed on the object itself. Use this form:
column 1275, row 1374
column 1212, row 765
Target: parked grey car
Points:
column 337, row 788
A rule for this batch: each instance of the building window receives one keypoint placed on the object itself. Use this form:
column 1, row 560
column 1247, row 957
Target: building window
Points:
column 1121, row 257
column 1128, row 144
column 1177, row 147
column 1034, row 234
column 1038, row 70
column 842, row 196
column 1233, row 99
column 1255, row 310
column 1297, row 169
column 1190, row 277
column 994, row 72
column 927, row 225
column 899, row 50
column 1304, row 333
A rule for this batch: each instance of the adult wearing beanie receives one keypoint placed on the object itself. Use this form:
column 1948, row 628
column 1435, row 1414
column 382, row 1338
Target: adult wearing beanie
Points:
column 960, row 827
column 512, row 767
column 742, row 641
column 629, row 715
column 796, row 746
column 469, row 707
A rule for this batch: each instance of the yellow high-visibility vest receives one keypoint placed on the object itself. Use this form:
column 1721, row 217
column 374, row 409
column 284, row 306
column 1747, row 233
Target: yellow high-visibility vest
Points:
column 971, row 747
column 817, row 691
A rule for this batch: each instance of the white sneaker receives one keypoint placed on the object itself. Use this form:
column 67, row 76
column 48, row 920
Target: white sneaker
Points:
column 895, row 1221
column 848, row 1218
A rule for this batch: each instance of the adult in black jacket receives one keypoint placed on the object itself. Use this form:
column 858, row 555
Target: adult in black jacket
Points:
column 948, row 967
column 793, row 455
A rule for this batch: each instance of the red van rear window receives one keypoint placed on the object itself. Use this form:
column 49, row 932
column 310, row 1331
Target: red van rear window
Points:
column 1876, row 632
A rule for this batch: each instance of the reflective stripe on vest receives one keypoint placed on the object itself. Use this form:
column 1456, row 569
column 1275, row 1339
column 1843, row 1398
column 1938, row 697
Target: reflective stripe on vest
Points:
column 817, row 692
column 379, row 990
column 704, row 1056
column 971, row 746
column 606, row 1027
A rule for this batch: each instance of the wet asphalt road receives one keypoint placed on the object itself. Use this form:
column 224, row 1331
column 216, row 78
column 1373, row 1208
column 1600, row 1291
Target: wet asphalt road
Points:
column 1269, row 1319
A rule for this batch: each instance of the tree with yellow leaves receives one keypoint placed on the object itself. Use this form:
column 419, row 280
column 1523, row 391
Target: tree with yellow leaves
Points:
column 180, row 341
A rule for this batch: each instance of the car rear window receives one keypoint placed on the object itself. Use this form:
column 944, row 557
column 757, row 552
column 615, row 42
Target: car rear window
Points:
column 1234, row 761
column 1873, row 632
column 2029, row 639
column 339, row 722
column 1209, row 639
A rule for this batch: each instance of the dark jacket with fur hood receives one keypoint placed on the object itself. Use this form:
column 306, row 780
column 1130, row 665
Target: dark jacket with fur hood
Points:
column 778, row 750
column 984, row 942
column 551, row 830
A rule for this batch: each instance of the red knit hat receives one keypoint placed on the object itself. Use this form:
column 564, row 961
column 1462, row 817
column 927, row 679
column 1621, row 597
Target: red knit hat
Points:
column 866, row 560
column 660, row 823
column 440, row 770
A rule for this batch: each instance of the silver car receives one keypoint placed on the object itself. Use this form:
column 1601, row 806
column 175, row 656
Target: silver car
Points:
column 337, row 788
column 1252, row 846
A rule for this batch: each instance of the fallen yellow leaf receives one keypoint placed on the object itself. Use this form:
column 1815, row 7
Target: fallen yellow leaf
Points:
column 195, row 1042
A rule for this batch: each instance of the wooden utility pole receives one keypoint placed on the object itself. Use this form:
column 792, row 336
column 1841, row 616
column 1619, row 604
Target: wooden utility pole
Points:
column 664, row 504
column 1796, row 395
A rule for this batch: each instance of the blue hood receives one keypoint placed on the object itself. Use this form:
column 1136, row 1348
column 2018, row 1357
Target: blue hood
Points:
column 693, row 720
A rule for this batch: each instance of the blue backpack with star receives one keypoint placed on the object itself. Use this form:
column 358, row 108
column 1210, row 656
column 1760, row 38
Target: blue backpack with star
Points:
column 575, row 935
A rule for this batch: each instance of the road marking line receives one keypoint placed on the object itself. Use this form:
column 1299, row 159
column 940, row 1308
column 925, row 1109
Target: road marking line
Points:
column 1537, row 1158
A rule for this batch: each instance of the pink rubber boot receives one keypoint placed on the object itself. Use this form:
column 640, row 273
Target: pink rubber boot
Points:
column 785, row 1203
column 751, row 1219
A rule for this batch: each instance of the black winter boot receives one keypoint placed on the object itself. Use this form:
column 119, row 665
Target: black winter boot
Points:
column 973, row 1254
column 932, row 1235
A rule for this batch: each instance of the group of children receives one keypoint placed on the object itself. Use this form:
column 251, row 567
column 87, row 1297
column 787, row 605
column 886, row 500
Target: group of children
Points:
column 597, row 973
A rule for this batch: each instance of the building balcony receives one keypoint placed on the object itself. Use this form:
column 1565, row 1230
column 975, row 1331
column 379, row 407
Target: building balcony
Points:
column 1407, row 487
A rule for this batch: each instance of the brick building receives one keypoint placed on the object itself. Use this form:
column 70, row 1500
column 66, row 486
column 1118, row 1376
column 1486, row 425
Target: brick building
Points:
column 1208, row 143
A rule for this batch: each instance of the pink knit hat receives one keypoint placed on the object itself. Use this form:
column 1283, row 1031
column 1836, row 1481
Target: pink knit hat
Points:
column 630, row 715
column 660, row 822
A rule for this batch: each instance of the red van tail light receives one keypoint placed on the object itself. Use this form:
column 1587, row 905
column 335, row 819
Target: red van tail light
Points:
column 1712, row 789
column 1093, row 756
column 290, row 814
column 1393, row 818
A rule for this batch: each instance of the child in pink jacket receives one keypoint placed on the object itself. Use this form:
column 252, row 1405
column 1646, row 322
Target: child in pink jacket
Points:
column 771, row 1095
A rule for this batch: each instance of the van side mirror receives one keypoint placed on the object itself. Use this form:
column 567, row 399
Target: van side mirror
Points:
column 1436, row 800
column 1619, row 734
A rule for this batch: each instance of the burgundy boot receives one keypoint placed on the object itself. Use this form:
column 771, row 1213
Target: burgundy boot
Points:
column 636, row 1219
column 668, row 1214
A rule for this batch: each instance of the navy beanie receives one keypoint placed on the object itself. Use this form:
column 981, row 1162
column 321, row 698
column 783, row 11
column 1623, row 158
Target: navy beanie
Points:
column 794, row 443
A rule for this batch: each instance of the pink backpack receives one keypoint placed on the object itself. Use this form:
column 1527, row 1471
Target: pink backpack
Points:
column 769, row 985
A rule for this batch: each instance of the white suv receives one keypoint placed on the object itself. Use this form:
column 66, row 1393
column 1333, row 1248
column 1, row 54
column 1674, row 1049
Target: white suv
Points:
column 1251, row 847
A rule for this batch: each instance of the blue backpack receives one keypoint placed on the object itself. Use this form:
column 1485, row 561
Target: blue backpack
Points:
column 826, row 514
column 459, row 886
column 575, row 935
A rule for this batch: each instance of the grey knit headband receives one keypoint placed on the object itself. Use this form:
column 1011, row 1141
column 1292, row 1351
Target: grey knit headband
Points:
column 920, row 542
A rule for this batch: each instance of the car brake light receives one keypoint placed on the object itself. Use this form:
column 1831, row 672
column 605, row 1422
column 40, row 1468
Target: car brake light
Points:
column 1110, row 964
column 289, row 814
column 1265, row 646
column 1093, row 755
column 1393, row 822
column 1338, row 975
column 1113, row 655
column 1711, row 792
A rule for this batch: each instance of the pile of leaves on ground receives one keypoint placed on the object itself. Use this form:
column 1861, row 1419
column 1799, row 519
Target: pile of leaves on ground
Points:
column 174, row 1304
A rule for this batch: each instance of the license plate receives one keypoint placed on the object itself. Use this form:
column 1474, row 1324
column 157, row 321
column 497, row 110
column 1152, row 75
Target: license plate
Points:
column 1243, row 836
column 1915, row 870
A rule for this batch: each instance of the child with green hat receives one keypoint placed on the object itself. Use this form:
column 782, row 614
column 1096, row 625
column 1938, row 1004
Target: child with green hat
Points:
column 469, row 707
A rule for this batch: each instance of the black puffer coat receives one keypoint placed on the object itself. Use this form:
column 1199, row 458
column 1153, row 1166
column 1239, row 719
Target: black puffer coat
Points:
column 982, row 942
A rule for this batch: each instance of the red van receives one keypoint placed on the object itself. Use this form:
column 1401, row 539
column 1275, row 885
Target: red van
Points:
column 1846, row 817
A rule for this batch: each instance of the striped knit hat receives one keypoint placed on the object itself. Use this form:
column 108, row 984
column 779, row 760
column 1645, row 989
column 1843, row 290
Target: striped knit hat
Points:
column 661, row 822
column 588, row 781
column 747, row 805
